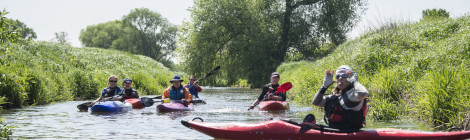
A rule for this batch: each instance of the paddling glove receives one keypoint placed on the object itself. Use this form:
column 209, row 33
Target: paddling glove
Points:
column 328, row 80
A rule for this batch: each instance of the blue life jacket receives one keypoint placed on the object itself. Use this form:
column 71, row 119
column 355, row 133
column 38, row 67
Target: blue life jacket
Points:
column 192, row 90
column 177, row 94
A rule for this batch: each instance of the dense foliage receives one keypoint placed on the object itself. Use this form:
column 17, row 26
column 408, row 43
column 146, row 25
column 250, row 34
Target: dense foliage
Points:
column 434, row 13
column 43, row 72
column 251, row 38
column 141, row 32
column 419, row 70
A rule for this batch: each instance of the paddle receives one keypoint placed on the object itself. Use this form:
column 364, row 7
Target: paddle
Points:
column 146, row 101
column 207, row 75
column 310, row 123
column 284, row 87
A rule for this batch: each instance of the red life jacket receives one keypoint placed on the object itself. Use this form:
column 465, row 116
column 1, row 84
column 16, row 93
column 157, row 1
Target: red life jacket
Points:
column 271, row 90
column 338, row 117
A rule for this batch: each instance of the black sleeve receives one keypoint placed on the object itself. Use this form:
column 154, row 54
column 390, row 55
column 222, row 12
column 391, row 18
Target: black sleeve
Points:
column 263, row 93
column 284, row 96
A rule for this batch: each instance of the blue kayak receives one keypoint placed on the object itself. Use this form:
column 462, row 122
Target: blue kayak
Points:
column 111, row 106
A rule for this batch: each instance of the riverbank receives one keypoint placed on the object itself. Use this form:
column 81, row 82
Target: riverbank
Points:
column 43, row 72
column 412, row 70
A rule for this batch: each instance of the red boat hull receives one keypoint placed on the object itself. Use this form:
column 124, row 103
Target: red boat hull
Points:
column 136, row 103
column 273, row 105
column 278, row 129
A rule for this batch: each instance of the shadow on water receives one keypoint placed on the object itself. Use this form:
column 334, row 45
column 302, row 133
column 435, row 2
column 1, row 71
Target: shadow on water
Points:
column 65, row 121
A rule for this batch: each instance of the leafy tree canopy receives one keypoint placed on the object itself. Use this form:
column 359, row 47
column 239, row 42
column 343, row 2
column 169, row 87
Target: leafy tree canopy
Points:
column 250, row 38
column 142, row 31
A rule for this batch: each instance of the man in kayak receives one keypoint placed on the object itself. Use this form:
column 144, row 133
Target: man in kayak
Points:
column 346, row 107
column 128, row 91
column 269, row 91
column 177, row 92
column 112, row 92
column 193, row 87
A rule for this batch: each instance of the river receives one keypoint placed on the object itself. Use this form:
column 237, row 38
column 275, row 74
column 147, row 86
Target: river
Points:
column 64, row 121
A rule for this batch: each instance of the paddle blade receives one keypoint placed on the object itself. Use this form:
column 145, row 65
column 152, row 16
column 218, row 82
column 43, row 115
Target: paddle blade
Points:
column 84, row 106
column 146, row 101
column 304, row 128
column 308, row 123
column 284, row 87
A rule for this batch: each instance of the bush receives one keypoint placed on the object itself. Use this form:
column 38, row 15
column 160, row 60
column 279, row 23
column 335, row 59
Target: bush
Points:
column 435, row 13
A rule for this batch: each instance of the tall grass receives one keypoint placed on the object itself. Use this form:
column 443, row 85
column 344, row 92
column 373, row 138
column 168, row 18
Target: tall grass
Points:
column 417, row 70
column 44, row 72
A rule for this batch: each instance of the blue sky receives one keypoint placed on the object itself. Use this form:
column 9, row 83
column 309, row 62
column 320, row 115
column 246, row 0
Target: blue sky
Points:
column 49, row 16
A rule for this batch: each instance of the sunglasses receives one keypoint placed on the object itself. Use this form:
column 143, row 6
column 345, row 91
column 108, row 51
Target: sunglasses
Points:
column 342, row 75
column 113, row 81
column 192, row 79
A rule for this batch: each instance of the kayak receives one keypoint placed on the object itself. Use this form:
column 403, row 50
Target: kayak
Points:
column 136, row 103
column 280, row 129
column 174, row 106
column 111, row 106
column 273, row 105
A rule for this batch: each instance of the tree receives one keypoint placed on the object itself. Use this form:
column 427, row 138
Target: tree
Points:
column 102, row 35
column 251, row 38
column 142, row 31
column 14, row 31
column 435, row 13
column 61, row 38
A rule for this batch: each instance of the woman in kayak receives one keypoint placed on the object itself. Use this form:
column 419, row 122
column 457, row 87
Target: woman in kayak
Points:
column 269, row 91
column 177, row 92
column 128, row 91
column 193, row 87
column 112, row 92
column 346, row 107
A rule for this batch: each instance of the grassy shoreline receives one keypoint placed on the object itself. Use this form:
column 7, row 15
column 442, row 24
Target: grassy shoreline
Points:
column 43, row 72
column 419, row 70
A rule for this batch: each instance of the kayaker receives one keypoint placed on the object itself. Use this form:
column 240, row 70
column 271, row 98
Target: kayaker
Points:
column 346, row 107
column 269, row 91
column 112, row 92
column 177, row 92
column 128, row 91
column 193, row 87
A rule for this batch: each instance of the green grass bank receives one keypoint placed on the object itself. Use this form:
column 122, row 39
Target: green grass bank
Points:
column 412, row 70
column 43, row 72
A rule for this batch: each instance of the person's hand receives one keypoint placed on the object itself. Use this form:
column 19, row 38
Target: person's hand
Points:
column 270, row 96
column 184, row 101
column 328, row 80
column 251, row 108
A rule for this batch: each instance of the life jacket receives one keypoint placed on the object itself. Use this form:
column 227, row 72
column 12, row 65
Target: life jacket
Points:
column 177, row 94
column 110, row 93
column 192, row 90
column 132, row 94
column 272, row 90
column 338, row 117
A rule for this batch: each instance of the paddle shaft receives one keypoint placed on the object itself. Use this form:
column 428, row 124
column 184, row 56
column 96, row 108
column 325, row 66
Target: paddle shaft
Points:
column 207, row 75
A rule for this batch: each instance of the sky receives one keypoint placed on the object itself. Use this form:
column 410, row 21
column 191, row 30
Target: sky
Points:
column 47, row 17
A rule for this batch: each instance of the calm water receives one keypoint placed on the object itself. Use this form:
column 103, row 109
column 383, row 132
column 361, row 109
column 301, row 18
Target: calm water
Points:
column 64, row 121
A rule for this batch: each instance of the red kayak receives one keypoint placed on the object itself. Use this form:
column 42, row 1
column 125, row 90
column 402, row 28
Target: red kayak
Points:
column 136, row 103
column 172, row 106
column 273, row 105
column 279, row 129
